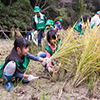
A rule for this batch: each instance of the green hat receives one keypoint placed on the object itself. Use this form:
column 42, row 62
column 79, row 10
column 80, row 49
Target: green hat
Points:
column 36, row 9
column 52, row 22
column 48, row 22
column 60, row 20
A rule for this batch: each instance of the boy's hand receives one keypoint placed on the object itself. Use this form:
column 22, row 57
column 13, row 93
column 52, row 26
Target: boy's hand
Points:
column 31, row 77
column 35, row 32
column 46, row 60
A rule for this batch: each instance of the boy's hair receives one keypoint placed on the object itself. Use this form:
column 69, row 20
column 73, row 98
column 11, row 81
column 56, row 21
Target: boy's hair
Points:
column 51, row 33
column 21, row 43
column 86, row 17
column 29, row 28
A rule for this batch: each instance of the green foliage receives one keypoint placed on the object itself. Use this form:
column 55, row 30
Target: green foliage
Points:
column 90, row 85
column 18, row 15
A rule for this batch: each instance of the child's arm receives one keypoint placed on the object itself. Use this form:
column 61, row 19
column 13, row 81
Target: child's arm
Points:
column 21, row 75
column 49, row 66
column 30, row 56
column 25, row 76
column 47, row 54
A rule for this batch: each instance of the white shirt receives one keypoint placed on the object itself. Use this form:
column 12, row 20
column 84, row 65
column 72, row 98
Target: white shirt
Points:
column 95, row 20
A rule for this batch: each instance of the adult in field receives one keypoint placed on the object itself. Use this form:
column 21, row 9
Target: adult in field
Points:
column 96, row 19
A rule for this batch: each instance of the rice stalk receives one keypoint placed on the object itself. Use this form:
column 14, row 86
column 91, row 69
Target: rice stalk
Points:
column 65, row 52
column 87, row 64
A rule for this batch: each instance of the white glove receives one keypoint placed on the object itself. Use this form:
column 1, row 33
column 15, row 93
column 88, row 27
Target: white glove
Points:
column 44, row 38
column 31, row 77
column 46, row 60
column 35, row 41
column 35, row 32
column 50, row 69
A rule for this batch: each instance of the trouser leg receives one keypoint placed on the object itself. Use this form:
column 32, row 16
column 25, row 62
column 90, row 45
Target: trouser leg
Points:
column 43, row 55
column 40, row 36
column 20, row 76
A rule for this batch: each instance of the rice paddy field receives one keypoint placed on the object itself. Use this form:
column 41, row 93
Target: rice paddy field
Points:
column 78, row 77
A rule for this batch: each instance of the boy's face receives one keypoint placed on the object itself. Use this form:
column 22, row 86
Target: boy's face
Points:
column 99, row 15
column 48, row 26
column 38, row 14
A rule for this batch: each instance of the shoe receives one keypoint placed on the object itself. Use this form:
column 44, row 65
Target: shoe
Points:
column 46, row 70
column 39, row 45
column 8, row 84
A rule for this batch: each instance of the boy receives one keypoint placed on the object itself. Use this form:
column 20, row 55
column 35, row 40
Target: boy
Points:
column 39, row 23
column 29, row 35
column 58, row 25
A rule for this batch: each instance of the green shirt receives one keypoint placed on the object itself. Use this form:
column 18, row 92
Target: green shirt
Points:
column 41, row 23
column 49, row 49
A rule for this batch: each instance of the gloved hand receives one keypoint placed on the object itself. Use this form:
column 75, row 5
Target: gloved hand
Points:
column 31, row 77
column 50, row 69
column 46, row 60
column 35, row 32
column 57, row 67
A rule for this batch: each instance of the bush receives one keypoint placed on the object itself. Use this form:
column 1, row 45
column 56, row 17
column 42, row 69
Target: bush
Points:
column 18, row 14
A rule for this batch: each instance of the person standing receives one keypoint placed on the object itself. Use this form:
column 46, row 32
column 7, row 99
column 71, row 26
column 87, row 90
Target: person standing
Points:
column 96, row 19
column 58, row 25
column 39, row 23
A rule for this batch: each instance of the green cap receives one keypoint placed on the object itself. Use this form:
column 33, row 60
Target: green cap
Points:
column 48, row 22
column 36, row 9
column 60, row 20
column 52, row 22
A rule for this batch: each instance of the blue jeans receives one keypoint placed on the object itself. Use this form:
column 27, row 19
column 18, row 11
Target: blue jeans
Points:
column 29, row 34
column 40, row 36
column 41, row 54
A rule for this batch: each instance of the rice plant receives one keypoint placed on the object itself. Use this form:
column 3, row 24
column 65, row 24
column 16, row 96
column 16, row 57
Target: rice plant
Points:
column 80, row 56
column 88, row 63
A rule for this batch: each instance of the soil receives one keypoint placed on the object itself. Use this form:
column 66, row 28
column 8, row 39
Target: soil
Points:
column 40, row 89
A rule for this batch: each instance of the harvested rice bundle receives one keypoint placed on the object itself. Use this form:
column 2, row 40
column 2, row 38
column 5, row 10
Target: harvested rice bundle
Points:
column 65, row 53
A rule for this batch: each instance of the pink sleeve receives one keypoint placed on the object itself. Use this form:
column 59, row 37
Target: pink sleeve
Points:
column 48, row 56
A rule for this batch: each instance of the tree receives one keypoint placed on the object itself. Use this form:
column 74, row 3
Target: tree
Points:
column 8, row 2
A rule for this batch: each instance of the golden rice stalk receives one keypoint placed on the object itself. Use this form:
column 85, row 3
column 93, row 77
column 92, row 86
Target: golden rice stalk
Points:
column 65, row 53
column 69, row 45
column 90, row 54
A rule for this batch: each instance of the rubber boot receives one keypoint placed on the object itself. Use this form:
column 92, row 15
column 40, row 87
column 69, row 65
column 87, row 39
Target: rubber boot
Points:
column 8, row 84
